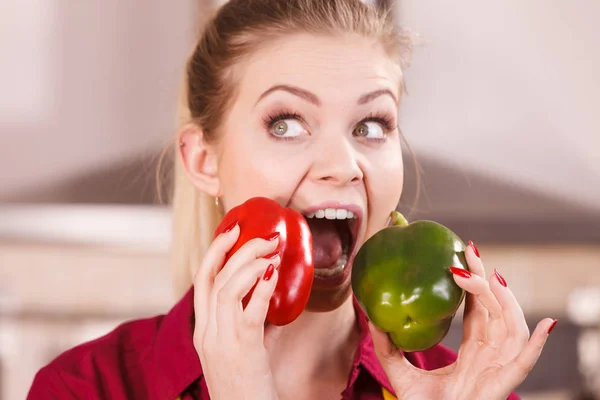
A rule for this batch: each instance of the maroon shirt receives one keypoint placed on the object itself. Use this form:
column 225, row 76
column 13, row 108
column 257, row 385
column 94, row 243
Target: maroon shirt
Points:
column 155, row 358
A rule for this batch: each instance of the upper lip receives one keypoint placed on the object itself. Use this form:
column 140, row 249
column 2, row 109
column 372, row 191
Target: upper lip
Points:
column 354, row 226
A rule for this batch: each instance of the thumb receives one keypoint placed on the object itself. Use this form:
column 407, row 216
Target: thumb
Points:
column 398, row 369
column 384, row 348
column 272, row 334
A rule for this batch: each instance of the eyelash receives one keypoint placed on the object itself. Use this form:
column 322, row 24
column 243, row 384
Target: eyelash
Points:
column 380, row 118
column 272, row 119
column 383, row 120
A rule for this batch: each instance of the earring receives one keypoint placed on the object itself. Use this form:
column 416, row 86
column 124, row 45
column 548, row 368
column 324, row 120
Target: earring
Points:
column 181, row 144
column 219, row 205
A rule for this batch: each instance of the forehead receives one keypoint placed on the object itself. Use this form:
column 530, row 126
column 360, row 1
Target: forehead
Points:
column 334, row 68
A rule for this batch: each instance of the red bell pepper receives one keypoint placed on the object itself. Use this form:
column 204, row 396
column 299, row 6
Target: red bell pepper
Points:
column 260, row 217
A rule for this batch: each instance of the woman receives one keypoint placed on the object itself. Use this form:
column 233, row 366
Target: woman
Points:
column 298, row 101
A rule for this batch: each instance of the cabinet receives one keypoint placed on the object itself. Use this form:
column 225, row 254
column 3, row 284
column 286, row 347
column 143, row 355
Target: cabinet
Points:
column 55, row 296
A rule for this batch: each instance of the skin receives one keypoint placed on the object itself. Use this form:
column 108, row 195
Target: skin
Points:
column 326, row 160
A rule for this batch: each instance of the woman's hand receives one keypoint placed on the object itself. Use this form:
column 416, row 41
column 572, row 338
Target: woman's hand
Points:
column 231, row 341
column 496, row 353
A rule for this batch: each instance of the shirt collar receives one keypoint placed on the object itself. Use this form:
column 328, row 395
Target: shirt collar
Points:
column 177, row 364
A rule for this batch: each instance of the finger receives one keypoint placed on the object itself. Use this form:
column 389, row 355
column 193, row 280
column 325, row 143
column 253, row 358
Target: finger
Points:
column 475, row 315
column 515, row 372
column 204, row 277
column 228, row 299
column 478, row 286
column 255, row 313
column 494, row 326
column 251, row 250
column 399, row 370
column 517, row 331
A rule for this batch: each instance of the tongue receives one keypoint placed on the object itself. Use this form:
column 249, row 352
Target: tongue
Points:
column 327, row 244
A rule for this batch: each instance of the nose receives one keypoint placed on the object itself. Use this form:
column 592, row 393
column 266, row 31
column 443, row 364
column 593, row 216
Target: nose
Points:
column 337, row 162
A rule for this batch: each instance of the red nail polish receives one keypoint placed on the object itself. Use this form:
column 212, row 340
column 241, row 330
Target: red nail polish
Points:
column 272, row 236
column 499, row 277
column 474, row 248
column 552, row 326
column 460, row 272
column 269, row 272
column 272, row 255
column 229, row 227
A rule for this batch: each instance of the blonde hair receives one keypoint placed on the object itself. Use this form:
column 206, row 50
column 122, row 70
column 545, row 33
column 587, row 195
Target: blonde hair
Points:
column 235, row 31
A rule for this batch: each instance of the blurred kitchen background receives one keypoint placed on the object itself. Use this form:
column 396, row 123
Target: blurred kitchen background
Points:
column 502, row 112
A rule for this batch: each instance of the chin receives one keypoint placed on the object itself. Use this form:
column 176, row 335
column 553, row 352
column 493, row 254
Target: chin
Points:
column 324, row 300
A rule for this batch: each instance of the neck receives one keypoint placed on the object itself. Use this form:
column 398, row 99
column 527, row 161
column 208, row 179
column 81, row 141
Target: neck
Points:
column 320, row 344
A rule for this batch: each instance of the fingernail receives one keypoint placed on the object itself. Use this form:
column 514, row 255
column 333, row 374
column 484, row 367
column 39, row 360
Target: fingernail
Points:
column 269, row 272
column 499, row 277
column 272, row 255
column 474, row 248
column 272, row 236
column 552, row 326
column 460, row 272
column 230, row 226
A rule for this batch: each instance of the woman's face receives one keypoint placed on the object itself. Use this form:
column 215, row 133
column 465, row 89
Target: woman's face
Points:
column 314, row 127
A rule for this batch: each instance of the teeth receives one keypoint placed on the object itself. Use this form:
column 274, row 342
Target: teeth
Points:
column 332, row 213
column 339, row 267
column 329, row 272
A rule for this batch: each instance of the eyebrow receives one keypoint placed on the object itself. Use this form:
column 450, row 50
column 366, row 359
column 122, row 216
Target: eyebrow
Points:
column 365, row 98
column 312, row 98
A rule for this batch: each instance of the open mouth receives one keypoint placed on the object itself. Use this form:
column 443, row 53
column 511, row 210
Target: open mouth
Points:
column 334, row 232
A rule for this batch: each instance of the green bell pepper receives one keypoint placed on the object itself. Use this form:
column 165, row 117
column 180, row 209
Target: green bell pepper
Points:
column 401, row 280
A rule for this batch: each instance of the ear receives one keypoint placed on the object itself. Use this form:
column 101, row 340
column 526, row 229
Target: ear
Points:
column 199, row 159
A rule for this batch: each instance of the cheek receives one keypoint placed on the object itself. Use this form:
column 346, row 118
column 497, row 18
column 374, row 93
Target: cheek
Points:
column 394, row 182
column 385, row 183
column 387, row 177
column 250, row 169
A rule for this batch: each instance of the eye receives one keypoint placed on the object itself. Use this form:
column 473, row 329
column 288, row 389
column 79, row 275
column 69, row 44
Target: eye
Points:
column 285, row 125
column 288, row 128
column 369, row 130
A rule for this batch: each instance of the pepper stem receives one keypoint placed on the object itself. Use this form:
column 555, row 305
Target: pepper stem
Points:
column 398, row 219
